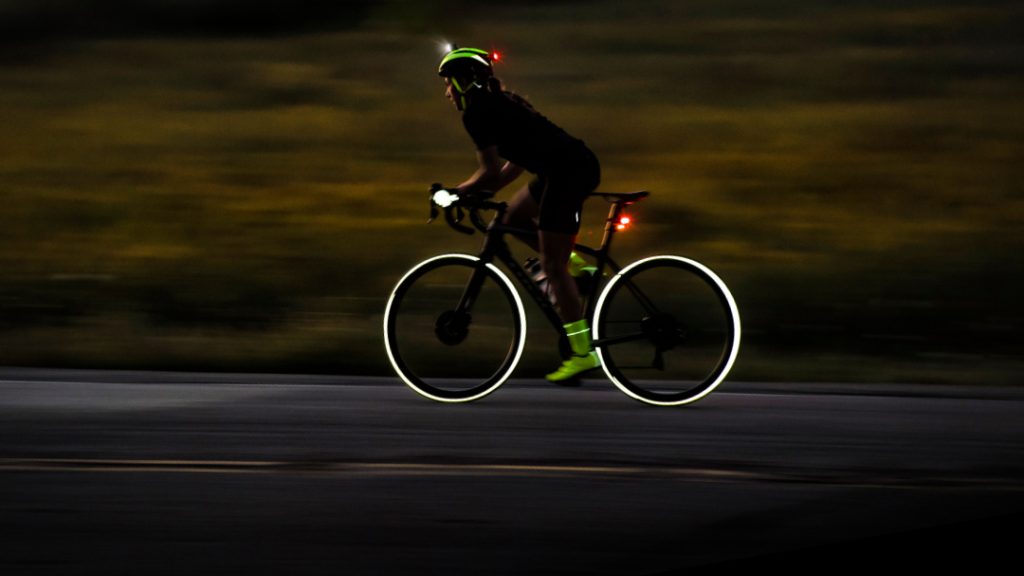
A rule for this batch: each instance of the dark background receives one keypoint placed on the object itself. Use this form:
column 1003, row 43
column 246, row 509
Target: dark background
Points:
column 229, row 185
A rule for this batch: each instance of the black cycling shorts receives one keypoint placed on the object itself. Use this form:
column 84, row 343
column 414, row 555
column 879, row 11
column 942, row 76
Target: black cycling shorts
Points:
column 561, row 193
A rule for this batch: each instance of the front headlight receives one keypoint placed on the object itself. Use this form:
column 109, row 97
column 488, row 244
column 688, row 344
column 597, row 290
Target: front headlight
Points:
column 444, row 198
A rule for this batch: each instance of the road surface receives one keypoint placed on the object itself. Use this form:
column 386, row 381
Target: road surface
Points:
column 164, row 473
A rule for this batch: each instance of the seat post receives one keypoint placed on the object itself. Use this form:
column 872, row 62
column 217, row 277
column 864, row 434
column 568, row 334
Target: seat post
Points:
column 609, row 225
column 606, row 241
column 618, row 201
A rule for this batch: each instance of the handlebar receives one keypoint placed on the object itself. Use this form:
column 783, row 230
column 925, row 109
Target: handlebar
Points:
column 455, row 208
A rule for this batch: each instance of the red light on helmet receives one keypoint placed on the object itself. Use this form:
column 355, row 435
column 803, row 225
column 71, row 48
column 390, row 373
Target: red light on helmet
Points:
column 495, row 56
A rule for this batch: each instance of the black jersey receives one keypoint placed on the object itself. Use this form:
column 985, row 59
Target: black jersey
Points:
column 523, row 136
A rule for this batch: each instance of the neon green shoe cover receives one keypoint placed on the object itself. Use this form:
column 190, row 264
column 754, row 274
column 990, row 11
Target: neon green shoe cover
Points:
column 578, row 266
column 575, row 366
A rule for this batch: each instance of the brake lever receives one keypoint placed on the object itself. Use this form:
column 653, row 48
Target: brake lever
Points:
column 450, row 217
column 430, row 198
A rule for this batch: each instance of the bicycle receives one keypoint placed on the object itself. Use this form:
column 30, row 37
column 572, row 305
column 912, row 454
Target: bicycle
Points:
column 666, row 328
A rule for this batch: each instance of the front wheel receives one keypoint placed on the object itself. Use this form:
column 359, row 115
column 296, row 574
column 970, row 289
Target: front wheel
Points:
column 454, row 328
column 667, row 330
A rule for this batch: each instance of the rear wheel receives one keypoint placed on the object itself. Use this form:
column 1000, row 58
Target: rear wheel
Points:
column 667, row 330
column 454, row 328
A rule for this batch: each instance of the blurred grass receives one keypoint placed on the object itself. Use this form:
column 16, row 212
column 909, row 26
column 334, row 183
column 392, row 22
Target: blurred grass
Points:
column 852, row 170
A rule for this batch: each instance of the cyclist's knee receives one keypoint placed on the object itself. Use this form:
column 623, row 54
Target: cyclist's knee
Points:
column 521, row 215
column 519, row 220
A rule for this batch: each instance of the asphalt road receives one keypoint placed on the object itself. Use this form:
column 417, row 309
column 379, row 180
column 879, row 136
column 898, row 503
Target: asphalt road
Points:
column 161, row 473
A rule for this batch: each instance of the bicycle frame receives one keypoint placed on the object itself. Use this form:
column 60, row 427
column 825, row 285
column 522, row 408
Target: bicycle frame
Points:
column 495, row 247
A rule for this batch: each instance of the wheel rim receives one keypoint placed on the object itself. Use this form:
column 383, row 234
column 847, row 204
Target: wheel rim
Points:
column 685, row 348
column 445, row 355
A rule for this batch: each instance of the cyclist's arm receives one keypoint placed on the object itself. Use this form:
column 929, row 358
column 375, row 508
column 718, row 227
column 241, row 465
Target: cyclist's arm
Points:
column 492, row 174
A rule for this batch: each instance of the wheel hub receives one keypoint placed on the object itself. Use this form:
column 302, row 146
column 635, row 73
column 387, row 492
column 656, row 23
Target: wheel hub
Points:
column 663, row 330
column 452, row 327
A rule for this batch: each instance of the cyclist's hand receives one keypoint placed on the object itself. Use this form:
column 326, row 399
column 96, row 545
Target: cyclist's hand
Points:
column 474, row 197
column 443, row 198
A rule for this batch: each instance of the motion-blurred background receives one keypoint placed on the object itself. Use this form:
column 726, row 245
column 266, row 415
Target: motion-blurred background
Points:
column 237, row 185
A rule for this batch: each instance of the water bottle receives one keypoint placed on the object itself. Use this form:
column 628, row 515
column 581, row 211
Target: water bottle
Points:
column 533, row 267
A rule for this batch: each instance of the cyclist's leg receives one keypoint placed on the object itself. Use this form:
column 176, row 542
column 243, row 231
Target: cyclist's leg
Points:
column 522, row 212
column 560, row 207
column 559, row 222
column 555, row 248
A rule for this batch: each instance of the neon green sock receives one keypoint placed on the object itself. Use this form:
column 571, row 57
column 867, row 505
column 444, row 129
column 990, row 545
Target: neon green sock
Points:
column 577, row 265
column 578, row 333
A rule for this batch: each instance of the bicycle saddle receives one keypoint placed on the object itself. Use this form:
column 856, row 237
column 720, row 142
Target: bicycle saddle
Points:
column 623, row 197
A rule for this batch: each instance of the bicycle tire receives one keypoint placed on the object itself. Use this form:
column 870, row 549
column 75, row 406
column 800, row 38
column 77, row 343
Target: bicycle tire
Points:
column 445, row 355
column 668, row 330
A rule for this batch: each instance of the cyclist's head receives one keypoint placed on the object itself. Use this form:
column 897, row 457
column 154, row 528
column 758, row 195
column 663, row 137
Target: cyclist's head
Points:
column 465, row 70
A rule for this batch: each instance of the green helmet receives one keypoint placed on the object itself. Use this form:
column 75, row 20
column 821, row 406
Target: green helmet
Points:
column 466, row 68
column 465, row 62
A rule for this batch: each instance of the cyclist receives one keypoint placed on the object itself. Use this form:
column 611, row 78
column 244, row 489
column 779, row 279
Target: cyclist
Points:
column 510, row 137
